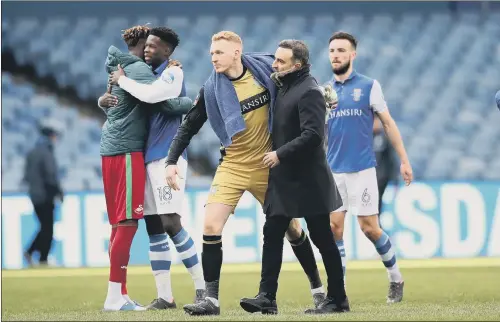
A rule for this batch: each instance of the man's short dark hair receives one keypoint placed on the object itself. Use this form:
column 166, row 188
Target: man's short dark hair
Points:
column 167, row 35
column 346, row 36
column 134, row 34
column 299, row 49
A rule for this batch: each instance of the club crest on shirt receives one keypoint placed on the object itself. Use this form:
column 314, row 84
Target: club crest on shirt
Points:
column 167, row 77
column 356, row 94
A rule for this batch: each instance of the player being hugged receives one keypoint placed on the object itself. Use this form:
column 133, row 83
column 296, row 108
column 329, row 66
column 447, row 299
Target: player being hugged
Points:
column 122, row 143
column 163, row 206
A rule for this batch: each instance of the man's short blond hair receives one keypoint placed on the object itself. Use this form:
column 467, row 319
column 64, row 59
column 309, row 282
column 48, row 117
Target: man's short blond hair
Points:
column 229, row 36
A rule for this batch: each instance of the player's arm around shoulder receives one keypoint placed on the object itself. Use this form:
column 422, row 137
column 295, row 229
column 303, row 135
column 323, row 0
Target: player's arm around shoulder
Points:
column 132, row 78
column 163, row 92
column 168, row 85
column 173, row 76
column 139, row 72
column 172, row 79
column 158, row 92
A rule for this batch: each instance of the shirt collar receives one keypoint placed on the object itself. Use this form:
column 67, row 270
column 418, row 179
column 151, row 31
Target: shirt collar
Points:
column 353, row 75
column 161, row 68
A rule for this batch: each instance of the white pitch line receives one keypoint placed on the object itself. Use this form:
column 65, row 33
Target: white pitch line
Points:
column 255, row 267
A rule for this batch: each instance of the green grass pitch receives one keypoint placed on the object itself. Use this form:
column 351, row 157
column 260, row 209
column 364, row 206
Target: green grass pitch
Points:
column 434, row 290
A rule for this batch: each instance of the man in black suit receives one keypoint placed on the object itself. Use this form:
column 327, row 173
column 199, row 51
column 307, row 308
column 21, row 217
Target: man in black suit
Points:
column 300, row 182
column 40, row 175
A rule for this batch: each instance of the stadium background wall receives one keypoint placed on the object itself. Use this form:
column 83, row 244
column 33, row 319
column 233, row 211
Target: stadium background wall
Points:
column 425, row 220
column 102, row 9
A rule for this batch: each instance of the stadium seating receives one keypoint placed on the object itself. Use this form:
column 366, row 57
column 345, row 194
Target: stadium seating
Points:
column 439, row 72
column 77, row 152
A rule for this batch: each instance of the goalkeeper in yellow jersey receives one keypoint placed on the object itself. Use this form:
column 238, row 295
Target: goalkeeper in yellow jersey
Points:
column 237, row 100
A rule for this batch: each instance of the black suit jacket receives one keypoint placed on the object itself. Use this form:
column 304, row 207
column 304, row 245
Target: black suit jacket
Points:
column 40, row 173
column 302, row 184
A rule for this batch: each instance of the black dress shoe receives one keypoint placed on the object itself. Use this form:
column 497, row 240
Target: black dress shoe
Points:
column 329, row 306
column 264, row 303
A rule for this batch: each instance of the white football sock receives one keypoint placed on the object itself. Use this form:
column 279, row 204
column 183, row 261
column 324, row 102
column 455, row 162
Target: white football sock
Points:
column 317, row 290
column 394, row 274
column 114, row 299
column 163, row 285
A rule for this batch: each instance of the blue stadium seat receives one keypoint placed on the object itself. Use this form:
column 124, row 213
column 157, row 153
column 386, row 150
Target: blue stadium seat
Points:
column 322, row 26
column 433, row 94
column 203, row 29
column 180, row 24
column 152, row 21
column 469, row 168
column 492, row 171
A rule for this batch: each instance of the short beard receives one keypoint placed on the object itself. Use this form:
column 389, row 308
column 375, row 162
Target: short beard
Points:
column 342, row 70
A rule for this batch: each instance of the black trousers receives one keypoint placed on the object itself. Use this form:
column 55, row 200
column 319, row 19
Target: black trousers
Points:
column 320, row 234
column 43, row 240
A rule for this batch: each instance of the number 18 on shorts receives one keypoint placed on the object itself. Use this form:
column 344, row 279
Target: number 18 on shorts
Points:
column 159, row 198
